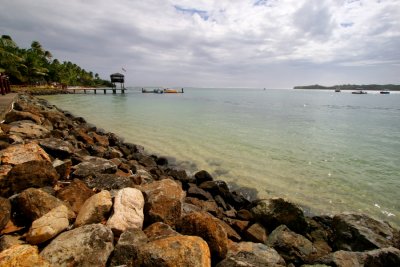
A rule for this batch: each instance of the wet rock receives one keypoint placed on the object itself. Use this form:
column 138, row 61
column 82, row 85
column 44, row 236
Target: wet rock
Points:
column 7, row 241
column 29, row 174
column 356, row 232
column 163, row 201
column 203, row 224
column 203, row 176
column 75, row 194
column 276, row 211
column 256, row 233
column 162, row 161
column 239, row 225
column 112, row 153
column 57, row 148
column 245, row 215
column 125, row 252
column 81, row 135
column 148, row 162
column 294, row 248
column 35, row 203
column 221, row 202
column 174, row 251
column 216, row 188
column 17, row 154
column 95, row 209
column 180, row 175
column 128, row 210
column 248, row 254
column 48, row 226
column 15, row 115
column 22, row 255
column 28, row 130
column 95, row 246
column 5, row 212
column 92, row 165
column 63, row 168
column 159, row 230
column 231, row 233
column 108, row 181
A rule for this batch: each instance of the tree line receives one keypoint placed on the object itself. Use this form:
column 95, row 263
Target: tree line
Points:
column 36, row 66
column 374, row 87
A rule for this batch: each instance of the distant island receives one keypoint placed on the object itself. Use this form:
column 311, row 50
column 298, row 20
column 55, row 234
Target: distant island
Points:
column 371, row 87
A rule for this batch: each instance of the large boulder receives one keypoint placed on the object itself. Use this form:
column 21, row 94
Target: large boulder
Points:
column 128, row 210
column 204, row 225
column 57, row 148
column 22, row 255
column 93, row 165
column 358, row 232
column 89, row 245
column 163, row 201
column 276, row 211
column 159, row 230
column 248, row 254
column 75, row 194
column 34, row 203
column 95, row 209
column 5, row 212
column 36, row 173
column 174, row 251
column 126, row 250
column 27, row 129
column 17, row 154
column 294, row 248
column 202, row 176
column 48, row 226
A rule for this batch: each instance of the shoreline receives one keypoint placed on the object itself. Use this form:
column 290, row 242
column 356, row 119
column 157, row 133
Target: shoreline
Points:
column 175, row 205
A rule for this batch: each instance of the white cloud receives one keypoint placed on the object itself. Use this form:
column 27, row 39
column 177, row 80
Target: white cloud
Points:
column 217, row 43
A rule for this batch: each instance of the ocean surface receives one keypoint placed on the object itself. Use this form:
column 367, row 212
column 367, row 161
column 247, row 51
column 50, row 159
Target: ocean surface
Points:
column 329, row 152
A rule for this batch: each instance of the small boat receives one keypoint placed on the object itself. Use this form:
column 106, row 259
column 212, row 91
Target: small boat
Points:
column 384, row 92
column 360, row 92
column 172, row 91
column 154, row 91
column 337, row 90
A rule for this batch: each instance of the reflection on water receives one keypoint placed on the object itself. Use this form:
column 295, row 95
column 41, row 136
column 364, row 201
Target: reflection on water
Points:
column 327, row 151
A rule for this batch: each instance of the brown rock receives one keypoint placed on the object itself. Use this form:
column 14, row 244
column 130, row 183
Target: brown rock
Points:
column 232, row 234
column 75, row 194
column 34, row 203
column 256, row 233
column 29, row 174
column 22, row 255
column 7, row 241
column 17, row 154
column 63, row 168
column 15, row 115
column 81, row 135
column 95, row 209
column 4, row 170
column 203, row 224
column 194, row 191
column 159, row 230
column 208, row 206
column 48, row 226
column 5, row 212
column 100, row 139
column 28, row 130
column 174, row 251
column 163, row 201
column 92, row 165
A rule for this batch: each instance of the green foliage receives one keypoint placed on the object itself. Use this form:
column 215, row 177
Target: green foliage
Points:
column 36, row 66
column 374, row 87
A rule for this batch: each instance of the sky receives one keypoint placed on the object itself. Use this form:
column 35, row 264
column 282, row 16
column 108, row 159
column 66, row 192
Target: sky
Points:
column 220, row 43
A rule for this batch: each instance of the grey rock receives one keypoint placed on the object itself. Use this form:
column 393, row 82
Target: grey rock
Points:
column 27, row 129
column 93, row 165
column 57, row 148
column 89, row 245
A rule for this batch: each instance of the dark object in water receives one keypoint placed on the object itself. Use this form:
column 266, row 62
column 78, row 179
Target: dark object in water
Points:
column 385, row 92
column 360, row 92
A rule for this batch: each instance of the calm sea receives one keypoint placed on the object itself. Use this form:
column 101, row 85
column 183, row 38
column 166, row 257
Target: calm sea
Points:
column 329, row 152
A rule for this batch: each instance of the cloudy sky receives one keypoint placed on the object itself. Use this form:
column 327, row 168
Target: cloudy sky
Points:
column 220, row 43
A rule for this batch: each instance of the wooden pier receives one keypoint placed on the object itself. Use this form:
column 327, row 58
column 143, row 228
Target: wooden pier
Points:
column 94, row 90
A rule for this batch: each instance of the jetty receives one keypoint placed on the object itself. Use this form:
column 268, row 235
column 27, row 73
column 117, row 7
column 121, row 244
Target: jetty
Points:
column 94, row 90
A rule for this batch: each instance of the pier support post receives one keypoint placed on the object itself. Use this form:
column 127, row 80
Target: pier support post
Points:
column 104, row 91
column 114, row 91
column 95, row 91
column 74, row 91
column 123, row 91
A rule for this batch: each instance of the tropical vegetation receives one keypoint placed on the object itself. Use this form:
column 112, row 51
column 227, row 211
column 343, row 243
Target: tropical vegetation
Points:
column 36, row 66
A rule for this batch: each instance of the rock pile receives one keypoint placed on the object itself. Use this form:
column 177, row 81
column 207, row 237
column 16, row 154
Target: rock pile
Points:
column 74, row 195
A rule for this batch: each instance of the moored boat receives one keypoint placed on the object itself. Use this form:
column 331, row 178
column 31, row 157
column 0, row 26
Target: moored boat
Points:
column 359, row 92
column 385, row 92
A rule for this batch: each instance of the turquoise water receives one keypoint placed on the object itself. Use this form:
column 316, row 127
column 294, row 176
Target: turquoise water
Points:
column 329, row 152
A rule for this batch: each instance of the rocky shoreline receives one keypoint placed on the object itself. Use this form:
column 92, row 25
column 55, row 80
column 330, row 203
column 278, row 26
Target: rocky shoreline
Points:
column 75, row 195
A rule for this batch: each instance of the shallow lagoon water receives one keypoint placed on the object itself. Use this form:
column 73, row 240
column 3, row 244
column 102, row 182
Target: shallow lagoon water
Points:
column 329, row 152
